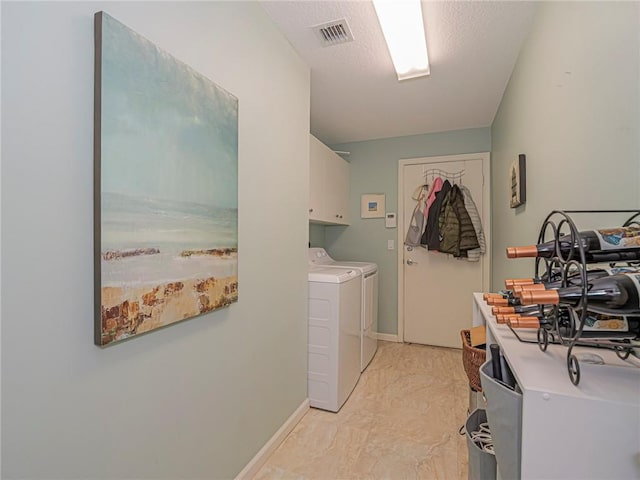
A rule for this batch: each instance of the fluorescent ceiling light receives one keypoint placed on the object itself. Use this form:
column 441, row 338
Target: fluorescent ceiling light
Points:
column 403, row 29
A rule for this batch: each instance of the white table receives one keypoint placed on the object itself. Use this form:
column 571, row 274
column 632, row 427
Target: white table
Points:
column 587, row 431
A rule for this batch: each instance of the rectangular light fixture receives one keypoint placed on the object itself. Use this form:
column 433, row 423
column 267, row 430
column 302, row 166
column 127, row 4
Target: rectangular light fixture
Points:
column 403, row 29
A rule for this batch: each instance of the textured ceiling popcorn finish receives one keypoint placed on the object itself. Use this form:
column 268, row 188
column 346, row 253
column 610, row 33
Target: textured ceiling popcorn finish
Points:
column 355, row 94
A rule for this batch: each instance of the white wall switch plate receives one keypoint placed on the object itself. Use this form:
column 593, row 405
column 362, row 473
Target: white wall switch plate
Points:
column 390, row 220
column 391, row 244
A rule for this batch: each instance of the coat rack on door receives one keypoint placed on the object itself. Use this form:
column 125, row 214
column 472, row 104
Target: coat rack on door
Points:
column 455, row 177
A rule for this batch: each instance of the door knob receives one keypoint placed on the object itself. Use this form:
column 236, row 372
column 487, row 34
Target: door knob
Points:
column 411, row 262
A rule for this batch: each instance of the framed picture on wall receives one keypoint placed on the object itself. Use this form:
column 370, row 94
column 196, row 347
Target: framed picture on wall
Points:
column 165, row 188
column 518, row 181
column 372, row 205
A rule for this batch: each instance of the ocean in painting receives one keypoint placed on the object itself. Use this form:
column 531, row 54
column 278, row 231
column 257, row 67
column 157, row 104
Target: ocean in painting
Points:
column 168, row 229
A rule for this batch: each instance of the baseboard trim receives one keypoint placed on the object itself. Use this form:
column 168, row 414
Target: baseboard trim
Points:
column 260, row 458
column 389, row 337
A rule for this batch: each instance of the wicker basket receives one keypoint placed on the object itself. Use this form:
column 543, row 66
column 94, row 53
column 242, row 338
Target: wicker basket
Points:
column 472, row 358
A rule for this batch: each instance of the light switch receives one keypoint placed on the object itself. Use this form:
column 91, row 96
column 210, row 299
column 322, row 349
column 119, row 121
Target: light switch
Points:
column 391, row 244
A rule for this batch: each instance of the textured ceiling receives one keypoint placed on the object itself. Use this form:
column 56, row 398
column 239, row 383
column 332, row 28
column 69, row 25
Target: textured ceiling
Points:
column 355, row 94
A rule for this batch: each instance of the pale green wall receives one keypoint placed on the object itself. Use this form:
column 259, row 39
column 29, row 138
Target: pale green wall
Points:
column 194, row 400
column 374, row 169
column 572, row 106
column 316, row 235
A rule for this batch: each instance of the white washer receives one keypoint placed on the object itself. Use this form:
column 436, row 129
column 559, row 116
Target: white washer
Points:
column 334, row 335
column 369, row 320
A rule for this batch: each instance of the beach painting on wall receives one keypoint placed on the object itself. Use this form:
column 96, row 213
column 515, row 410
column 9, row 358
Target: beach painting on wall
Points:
column 165, row 188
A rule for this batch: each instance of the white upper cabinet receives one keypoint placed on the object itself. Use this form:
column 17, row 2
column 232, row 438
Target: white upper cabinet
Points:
column 328, row 185
column 337, row 174
column 317, row 180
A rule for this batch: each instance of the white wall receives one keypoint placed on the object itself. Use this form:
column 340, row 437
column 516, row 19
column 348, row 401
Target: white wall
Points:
column 573, row 107
column 194, row 400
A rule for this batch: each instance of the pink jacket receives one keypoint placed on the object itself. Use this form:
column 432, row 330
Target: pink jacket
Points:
column 437, row 186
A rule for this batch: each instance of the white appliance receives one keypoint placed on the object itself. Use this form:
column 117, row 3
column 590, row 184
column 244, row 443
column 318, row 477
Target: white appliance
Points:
column 334, row 335
column 369, row 321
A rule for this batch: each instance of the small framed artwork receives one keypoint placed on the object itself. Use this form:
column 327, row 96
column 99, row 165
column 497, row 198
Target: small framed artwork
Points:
column 518, row 181
column 372, row 205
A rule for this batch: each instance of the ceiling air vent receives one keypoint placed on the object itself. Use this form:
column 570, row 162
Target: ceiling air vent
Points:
column 333, row 33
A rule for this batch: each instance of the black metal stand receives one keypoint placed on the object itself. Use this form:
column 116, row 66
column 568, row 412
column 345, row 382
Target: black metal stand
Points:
column 561, row 266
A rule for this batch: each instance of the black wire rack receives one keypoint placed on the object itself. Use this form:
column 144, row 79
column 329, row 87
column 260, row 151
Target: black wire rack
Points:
column 571, row 263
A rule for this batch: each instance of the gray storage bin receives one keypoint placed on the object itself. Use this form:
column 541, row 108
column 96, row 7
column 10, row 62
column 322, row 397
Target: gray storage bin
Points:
column 476, row 400
column 482, row 465
column 504, row 413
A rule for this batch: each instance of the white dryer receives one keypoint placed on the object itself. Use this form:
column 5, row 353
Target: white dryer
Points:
column 369, row 314
column 334, row 335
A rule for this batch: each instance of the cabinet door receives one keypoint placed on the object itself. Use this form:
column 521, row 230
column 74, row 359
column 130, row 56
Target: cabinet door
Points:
column 338, row 184
column 317, row 181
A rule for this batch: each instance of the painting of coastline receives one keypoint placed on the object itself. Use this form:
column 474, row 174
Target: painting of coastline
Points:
column 165, row 188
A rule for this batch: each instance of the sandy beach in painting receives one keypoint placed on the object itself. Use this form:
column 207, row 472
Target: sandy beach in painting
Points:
column 162, row 262
column 141, row 304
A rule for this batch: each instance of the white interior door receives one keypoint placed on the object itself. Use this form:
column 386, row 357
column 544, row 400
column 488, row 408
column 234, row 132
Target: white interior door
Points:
column 435, row 289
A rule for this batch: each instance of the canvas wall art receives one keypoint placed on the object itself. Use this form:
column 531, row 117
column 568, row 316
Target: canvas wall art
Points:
column 518, row 181
column 165, row 188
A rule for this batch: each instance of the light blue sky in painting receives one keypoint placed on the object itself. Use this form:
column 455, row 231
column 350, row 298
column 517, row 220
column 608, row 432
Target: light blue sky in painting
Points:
column 168, row 132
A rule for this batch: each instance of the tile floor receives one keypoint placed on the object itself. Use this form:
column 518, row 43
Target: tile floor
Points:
column 401, row 422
